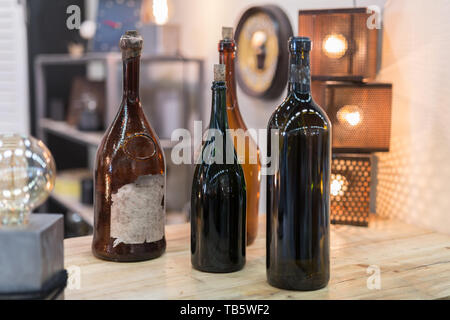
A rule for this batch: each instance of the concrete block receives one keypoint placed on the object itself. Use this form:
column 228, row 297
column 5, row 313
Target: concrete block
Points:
column 30, row 255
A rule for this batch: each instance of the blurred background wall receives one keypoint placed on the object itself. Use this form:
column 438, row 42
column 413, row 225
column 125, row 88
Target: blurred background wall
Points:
column 413, row 178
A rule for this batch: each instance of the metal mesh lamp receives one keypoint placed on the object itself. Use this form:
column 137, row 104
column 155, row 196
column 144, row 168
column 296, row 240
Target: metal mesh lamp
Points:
column 344, row 48
column 344, row 58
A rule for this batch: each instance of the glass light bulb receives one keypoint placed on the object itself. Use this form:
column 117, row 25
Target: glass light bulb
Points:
column 27, row 176
column 335, row 46
column 350, row 115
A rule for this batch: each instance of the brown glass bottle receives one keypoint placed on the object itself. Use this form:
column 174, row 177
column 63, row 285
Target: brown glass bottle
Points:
column 129, row 207
column 251, row 166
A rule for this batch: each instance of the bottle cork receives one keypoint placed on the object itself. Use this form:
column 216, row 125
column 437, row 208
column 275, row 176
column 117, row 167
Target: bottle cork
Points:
column 131, row 44
column 227, row 33
column 219, row 72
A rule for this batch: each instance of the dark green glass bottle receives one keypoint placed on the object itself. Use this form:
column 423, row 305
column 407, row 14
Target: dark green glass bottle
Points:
column 218, row 200
column 298, row 194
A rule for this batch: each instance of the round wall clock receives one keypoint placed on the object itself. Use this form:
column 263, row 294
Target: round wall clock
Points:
column 262, row 59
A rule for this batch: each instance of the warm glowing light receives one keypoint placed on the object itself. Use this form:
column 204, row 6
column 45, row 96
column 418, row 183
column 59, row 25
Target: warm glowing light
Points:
column 259, row 39
column 353, row 118
column 350, row 114
column 335, row 46
column 338, row 185
column 160, row 11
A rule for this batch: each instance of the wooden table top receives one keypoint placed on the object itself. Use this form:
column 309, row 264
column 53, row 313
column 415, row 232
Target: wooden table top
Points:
column 413, row 263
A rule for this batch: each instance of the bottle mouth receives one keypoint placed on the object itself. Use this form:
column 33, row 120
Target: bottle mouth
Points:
column 298, row 44
column 131, row 44
column 227, row 45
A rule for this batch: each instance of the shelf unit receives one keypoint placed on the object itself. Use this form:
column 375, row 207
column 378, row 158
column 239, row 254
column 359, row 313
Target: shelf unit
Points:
column 111, row 61
column 93, row 139
column 72, row 204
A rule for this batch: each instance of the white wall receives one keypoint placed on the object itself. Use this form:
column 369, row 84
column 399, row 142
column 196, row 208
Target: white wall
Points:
column 14, row 109
column 414, row 178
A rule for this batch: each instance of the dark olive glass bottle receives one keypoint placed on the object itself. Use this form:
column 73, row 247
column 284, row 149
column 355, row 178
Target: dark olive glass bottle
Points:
column 251, row 167
column 129, row 207
column 218, row 200
column 298, row 194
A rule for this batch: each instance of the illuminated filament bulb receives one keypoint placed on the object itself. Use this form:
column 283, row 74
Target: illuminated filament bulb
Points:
column 350, row 115
column 160, row 11
column 335, row 46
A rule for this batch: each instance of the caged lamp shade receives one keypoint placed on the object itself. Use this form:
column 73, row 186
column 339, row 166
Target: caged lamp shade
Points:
column 350, row 189
column 344, row 47
column 360, row 114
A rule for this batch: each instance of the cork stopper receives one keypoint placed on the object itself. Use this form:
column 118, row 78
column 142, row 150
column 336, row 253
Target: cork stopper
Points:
column 227, row 33
column 219, row 72
column 131, row 44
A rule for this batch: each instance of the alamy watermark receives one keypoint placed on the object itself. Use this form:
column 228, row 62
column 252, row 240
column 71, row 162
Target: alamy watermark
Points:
column 218, row 147
column 73, row 21
column 73, row 277
column 374, row 280
column 374, row 20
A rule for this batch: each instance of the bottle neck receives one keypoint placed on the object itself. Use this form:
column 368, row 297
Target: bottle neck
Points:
column 219, row 118
column 131, row 79
column 300, row 74
column 227, row 54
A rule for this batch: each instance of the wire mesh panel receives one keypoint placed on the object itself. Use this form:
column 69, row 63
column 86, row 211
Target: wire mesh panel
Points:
column 350, row 189
column 344, row 48
column 359, row 112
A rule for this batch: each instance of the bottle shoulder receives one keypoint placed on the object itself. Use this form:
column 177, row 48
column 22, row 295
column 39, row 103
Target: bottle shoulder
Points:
column 219, row 175
column 294, row 113
column 131, row 135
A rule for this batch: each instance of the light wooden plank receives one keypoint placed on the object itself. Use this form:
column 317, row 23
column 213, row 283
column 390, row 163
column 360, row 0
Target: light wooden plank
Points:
column 414, row 264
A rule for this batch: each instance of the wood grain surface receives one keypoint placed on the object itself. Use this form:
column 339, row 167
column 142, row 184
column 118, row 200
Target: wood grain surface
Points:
column 414, row 264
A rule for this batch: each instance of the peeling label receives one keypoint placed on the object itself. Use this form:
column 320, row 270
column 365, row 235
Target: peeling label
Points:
column 137, row 211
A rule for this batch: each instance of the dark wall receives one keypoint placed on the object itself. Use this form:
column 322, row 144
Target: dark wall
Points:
column 47, row 33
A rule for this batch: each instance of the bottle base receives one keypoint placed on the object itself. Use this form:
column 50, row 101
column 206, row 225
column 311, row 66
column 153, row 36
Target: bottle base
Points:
column 131, row 252
column 250, row 239
column 301, row 285
column 210, row 269
column 127, row 259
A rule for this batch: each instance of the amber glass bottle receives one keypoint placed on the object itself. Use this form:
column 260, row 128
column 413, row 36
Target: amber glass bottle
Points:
column 129, row 207
column 218, row 229
column 250, row 153
column 298, row 194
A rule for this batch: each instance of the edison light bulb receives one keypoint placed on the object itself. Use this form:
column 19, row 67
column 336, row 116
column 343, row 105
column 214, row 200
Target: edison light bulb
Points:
column 350, row 115
column 27, row 176
column 335, row 46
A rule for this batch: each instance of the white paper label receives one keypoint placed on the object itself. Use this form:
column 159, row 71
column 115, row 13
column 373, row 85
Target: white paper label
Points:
column 137, row 211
